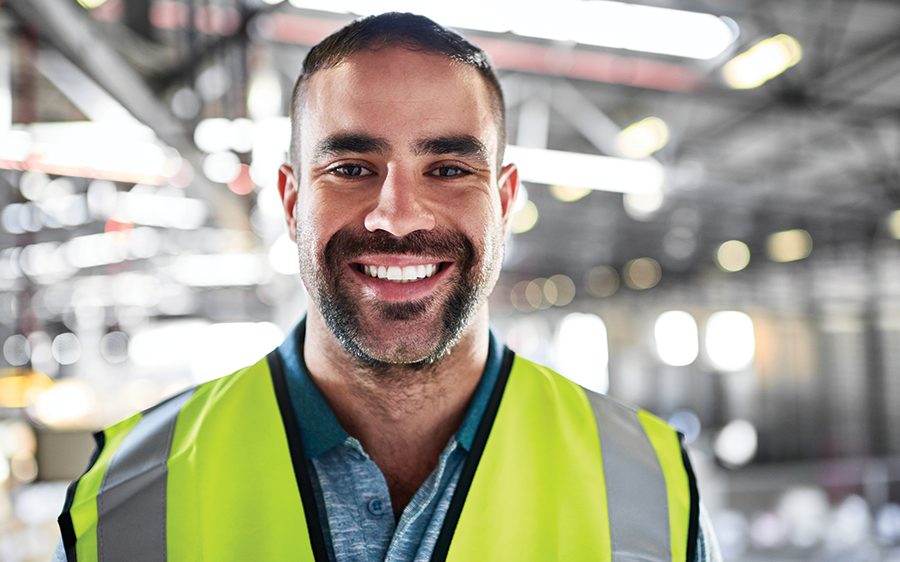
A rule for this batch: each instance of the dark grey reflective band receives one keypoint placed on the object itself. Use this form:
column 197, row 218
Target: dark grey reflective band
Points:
column 635, row 485
column 131, row 503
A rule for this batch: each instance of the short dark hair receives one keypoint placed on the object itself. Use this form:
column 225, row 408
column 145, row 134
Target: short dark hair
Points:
column 395, row 29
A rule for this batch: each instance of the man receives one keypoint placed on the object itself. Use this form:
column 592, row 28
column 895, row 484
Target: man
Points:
column 391, row 425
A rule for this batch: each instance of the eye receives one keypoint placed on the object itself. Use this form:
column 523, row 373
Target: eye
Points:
column 351, row 170
column 449, row 171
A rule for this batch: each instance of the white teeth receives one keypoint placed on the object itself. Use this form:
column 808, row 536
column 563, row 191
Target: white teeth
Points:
column 400, row 274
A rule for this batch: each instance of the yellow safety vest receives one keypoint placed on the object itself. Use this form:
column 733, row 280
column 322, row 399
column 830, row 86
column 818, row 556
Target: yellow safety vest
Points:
column 218, row 473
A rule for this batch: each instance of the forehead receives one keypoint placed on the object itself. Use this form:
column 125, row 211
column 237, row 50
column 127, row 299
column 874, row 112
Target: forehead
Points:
column 394, row 92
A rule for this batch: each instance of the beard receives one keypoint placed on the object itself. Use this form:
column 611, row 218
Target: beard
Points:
column 340, row 302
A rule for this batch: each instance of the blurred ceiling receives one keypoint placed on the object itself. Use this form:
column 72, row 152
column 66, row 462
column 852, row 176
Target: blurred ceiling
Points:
column 817, row 147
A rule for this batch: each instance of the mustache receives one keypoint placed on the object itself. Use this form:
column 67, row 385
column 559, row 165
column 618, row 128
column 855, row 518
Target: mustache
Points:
column 350, row 243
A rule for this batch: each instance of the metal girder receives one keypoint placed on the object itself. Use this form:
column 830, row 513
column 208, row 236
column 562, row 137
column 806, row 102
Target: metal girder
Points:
column 71, row 30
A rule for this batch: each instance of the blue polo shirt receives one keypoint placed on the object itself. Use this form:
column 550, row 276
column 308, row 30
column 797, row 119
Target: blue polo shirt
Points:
column 351, row 492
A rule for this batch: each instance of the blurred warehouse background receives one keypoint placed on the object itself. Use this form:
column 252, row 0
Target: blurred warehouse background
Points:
column 709, row 230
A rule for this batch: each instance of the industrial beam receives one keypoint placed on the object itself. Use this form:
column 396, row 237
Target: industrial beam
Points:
column 80, row 38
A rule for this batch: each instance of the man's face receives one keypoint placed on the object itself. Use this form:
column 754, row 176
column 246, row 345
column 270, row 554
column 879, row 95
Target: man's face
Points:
column 400, row 214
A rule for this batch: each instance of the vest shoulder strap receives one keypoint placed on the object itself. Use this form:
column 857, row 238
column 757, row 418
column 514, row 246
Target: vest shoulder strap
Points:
column 651, row 489
column 569, row 474
column 206, row 475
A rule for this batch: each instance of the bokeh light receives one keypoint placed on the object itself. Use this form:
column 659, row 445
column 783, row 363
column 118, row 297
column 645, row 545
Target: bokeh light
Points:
column 564, row 289
column 283, row 256
column 677, row 342
column 525, row 218
column 894, row 224
column 732, row 256
column 534, row 294
column 16, row 350
column 602, row 281
column 762, row 62
column 66, row 348
column 730, row 342
column 67, row 404
column 114, row 347
column 643, row 206
column 642, row 273
column 687, row 423
column 789, row 245
column 567, row 193
column 582, row 351
column 736, row 443
column 643, row 138
column 222, row 166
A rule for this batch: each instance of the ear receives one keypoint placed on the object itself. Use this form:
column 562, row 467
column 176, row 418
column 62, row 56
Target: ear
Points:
column 509, row 189
column 287, row 189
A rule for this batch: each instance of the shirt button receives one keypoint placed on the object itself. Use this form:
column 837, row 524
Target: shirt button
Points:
column 377, row 507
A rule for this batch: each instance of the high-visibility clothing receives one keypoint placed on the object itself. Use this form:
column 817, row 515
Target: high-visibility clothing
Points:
column 218, row 473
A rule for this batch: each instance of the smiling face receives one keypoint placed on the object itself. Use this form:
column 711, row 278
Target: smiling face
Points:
column 400, row 212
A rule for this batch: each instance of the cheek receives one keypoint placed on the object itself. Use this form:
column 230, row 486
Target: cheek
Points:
column 319, row 218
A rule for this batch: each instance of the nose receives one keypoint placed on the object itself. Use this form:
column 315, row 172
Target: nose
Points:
column 402, row 205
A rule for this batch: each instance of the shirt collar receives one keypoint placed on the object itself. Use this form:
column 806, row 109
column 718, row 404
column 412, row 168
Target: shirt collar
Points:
column 321, row 431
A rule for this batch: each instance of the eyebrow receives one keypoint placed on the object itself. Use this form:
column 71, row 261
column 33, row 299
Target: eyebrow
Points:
column 354, row 143
column 460, row 145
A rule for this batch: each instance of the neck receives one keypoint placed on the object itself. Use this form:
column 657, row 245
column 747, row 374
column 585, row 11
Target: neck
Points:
column 402, row 415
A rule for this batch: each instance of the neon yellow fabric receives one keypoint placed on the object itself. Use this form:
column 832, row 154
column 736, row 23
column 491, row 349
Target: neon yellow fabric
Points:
column 538, row 492
column 84, row 505
column 668, row 449
column 229, row 465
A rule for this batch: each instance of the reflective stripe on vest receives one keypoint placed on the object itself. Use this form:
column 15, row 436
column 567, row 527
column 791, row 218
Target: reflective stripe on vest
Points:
column 555, row 473
column 131, row 502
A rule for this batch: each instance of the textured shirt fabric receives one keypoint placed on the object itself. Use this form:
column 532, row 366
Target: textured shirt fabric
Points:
column 351, row 492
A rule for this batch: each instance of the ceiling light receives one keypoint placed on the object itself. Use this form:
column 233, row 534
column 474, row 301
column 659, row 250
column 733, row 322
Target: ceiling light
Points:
column 264, row 95
column 213, row 134
column 592, row 171
column 730, row 342
column 567, row 193
column 91, row 4
column 222, row 166
column 119, row 151
column 677, row 342
column 67, row 404
column 602, row 281
column 643, row 206
column 642, row 273
column 762, row 62
column 643, row 138
column 790, row 245
column 733, row 255
column 894, row 224
column 582, row 351
column 650, row 29
column 616, row 25
column 564, row 288
column 736, row 443
column 220, row 270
